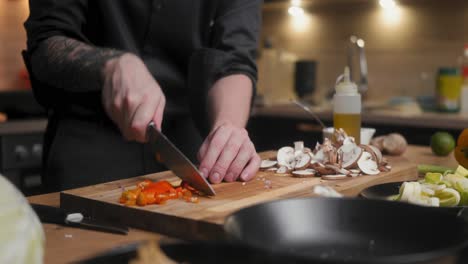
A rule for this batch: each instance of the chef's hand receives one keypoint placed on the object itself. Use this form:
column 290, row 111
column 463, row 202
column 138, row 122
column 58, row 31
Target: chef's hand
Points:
column 228, row 154
column 131, row 96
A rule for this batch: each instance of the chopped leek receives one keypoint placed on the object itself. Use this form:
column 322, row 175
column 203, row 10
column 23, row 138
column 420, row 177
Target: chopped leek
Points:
column 436, row 189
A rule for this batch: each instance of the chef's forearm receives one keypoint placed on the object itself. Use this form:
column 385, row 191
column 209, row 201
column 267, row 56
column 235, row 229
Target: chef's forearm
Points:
column 229, row 101
column 69, row 64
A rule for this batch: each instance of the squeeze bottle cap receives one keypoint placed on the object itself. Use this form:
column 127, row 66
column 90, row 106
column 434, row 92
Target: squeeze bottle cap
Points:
column 344, row 85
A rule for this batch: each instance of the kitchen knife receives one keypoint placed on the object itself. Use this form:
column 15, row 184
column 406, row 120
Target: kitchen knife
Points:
column 55, row 215
column 176, row 161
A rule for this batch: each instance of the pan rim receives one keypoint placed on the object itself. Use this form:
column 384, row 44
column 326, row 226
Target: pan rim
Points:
column 397, row 258
column 365, row 196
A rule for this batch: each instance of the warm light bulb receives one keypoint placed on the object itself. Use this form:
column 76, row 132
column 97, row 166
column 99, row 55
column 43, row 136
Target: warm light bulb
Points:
column 296, row 11
column 301, row 23
column 360, row 43
column 296, row 2
column 387, row 4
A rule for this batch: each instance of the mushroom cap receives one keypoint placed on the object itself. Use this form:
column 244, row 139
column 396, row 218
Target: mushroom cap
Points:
column 395, row 144
column 378, row 142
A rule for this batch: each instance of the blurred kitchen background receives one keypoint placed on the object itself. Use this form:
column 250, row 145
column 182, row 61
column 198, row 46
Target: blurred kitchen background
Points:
column 398, row 52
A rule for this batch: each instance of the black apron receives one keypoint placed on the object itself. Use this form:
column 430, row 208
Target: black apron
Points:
column 85, row 151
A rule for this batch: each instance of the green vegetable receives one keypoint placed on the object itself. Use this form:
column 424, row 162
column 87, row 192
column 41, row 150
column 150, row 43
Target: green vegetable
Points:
column 446, row 183
column 461, row 171
column 433, row 177
column 444, row 187
column 463, row 198
column 448, row 197
column 425, row 168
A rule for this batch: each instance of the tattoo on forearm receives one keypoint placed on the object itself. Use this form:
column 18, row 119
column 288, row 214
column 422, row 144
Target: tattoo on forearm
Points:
column 70, row 64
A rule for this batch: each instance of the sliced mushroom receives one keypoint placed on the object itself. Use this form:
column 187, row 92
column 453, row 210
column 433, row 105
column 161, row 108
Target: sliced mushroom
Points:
column 337, row 169
column 371, row 151
column 384, row 162
column 334, row 177
column 320, row 156
column 367, row 164
column 332, row 156
column 272, row 169
column 350, row 156
column 266, row 164
column 327, row 145
column 339, row 160
column 304, row 173
column 316, row 164
column 283, row 170
column 307, row 150
column 349, row 140
column 302, row 161
column 286, row 157
column 298, row 146
column 340, row 136
column 377, row 153
column 383, row 169
column 324, row 170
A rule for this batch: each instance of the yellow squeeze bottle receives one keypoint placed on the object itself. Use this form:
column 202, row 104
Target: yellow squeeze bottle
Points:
column 347, row 107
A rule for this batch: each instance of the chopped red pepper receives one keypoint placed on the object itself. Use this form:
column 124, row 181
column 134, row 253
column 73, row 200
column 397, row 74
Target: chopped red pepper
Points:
column 148, row 192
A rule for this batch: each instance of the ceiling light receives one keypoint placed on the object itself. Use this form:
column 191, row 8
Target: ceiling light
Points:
column 296, row 2
column 296, row 11
column 360, row 43
column 387, row 4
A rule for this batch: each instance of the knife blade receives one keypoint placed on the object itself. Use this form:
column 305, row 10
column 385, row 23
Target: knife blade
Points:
column 55, row 215
column 176, row 161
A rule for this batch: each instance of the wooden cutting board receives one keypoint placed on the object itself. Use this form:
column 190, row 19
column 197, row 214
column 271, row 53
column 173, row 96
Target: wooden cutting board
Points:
column 204, row 220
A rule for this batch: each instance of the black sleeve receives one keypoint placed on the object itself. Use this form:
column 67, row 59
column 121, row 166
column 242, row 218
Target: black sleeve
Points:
column 49, row 18
column 235, row 32
column 231, row 50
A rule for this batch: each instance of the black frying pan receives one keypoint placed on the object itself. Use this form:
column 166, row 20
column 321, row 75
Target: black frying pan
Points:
column 330, row 230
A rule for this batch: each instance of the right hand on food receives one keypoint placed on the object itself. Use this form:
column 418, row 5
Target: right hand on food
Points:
column 131, row 96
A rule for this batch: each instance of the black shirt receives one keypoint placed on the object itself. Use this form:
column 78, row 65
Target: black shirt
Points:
column 186, row 44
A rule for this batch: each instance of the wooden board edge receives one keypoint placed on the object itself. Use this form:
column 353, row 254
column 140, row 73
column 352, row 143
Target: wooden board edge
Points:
column 408, row 174
column 177, row 227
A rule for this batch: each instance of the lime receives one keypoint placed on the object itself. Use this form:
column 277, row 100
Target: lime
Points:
column 442, row 143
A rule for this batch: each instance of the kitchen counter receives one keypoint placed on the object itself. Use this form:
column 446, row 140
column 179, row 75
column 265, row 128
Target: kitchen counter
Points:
column 455, row 121
column 64, row 244
column 14, row 127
